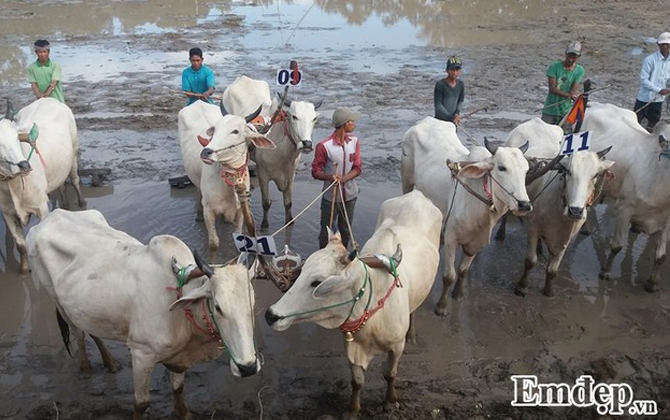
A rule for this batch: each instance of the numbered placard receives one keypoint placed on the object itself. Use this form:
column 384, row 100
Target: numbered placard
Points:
column 576, row 142
column 262, row 245
column 289, row 77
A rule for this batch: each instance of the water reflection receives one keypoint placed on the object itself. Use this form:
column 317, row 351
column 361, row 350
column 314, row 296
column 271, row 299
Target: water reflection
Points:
column 314, row 26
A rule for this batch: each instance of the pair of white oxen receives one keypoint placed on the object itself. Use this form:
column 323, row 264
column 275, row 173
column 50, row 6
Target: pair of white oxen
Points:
column 90, row 284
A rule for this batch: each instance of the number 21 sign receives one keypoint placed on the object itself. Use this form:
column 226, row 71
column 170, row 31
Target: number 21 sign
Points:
column 262, row 245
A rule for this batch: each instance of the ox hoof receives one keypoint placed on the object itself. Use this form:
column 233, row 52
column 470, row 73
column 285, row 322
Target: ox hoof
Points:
column 85, row 373
column 604, row 275
column 651, row 287
column 391, row 406
column 199, row 218
column 441, row 310
column 350, row 416
column 500, row 236
column 548, row 292
column 520, row 291
column 265, row 224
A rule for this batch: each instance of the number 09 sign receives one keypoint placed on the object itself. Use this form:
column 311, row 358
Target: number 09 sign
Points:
column 262, row 245
column 287, row 77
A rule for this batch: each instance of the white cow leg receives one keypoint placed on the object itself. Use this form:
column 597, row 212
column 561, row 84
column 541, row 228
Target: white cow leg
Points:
column 390, row 375
column 177, row 383
column 62, row 196
column 264, row 184
column 357, row 382
column 143, row 365
column 410, row 337
column 84, row 363
column 198, row 209
column 210, row 224
column 531, row 260
column 448, row 276
column 14, row 225
column 652, row 283
column 106, row 356
column 552, row 269
column 620, row 233
column 463, row 269
column 76, row 183
column 288, row 202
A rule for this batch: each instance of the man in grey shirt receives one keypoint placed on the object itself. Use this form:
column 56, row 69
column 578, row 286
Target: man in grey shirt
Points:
column 449, row 93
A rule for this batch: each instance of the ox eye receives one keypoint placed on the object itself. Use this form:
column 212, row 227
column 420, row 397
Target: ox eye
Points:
column 295, row 118
column 236, row 131
column 218, row 309
column 315, row 283
column 502, row 168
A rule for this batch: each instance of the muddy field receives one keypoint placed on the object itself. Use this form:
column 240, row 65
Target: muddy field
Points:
column 121, row 60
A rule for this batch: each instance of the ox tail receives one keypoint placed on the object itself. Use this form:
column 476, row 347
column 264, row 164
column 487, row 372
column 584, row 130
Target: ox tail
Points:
column 64, row 331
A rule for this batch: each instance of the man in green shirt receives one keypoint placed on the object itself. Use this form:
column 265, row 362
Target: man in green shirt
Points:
column 44, row 74
column 563, row 78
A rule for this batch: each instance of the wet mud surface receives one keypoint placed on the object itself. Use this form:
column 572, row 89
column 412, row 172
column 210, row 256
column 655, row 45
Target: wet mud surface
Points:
column 120, row 77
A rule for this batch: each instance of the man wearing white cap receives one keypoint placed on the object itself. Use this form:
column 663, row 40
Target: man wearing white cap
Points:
column 338, row 157
column 654, row 78
column 563, row 78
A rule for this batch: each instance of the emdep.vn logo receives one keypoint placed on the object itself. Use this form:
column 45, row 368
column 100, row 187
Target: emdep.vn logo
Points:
column 613, row 399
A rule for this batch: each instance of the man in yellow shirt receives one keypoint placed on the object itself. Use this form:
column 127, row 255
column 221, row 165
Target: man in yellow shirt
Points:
column 44, row 74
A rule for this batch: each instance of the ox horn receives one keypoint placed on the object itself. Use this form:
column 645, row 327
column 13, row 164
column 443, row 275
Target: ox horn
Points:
column 532, row 176
column 490, row 147
column 10, row 111
column 524, row 147
column 250, row 117
column 223, row 109
column 318, row 104
column 602, row 153
column 202, row 264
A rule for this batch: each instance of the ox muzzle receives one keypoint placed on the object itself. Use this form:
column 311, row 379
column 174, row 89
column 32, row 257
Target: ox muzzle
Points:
column 523, row 207
column 307, row 146
column 271, row 317
column 575, row 212
column 206, row 155
column 248, row 370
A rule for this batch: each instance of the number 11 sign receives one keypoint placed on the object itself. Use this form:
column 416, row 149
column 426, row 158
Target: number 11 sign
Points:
column 582, row 140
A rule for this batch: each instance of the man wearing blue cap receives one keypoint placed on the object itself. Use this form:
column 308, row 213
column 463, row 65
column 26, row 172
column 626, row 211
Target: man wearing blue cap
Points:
column 449, row 93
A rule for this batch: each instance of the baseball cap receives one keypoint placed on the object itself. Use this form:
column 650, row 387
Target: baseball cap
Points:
column 575, row 47
column 664, row 38
column 454, row 62
column 342, row 115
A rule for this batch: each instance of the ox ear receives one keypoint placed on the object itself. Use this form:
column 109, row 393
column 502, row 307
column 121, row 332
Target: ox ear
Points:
column 605, row 164
column 333, row 236
column 259, row 140
column 194, row 296
column 332, row 284
column 476, row 170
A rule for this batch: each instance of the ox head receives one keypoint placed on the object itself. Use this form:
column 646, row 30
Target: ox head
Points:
column 13, row 163
column 229, row 296
column 301, row 117
column 581, row 174
column 507, row 167
column 328, row 278
column 229, row 139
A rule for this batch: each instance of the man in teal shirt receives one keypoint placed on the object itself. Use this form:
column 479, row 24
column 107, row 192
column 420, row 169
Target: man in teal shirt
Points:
column 44, row 74
column 563, row 78
column 197, row 81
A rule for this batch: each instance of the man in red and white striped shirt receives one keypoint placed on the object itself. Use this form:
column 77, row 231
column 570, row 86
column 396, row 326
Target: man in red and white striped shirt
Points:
column 338, row 157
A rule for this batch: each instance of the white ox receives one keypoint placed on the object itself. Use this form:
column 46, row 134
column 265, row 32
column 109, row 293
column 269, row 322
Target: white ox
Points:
column 560, row 197
column 25, row 181
column 214, row 152
column 336, row 290
column 291, row 133
column 496, row 174
column 109, row 285
column 640, row 184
